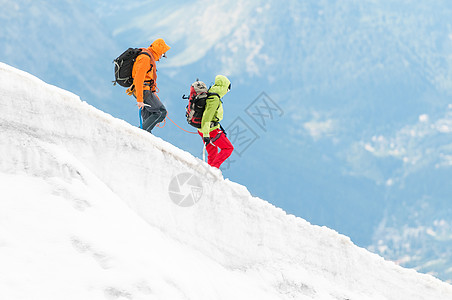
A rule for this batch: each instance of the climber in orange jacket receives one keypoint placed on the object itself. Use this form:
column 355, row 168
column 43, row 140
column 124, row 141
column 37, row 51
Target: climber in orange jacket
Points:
column 144, row 87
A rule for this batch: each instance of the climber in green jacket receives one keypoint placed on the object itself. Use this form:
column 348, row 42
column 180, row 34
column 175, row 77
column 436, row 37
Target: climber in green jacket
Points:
column 211, row 131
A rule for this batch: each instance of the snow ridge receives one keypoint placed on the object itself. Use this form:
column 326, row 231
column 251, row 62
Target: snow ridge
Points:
column 123, row 237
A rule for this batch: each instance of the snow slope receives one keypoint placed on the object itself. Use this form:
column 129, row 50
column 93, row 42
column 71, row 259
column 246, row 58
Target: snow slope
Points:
column 347, row 72
column 86, row 212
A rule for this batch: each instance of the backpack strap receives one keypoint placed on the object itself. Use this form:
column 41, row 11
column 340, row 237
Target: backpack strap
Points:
column 145, row 52
column 213, row 94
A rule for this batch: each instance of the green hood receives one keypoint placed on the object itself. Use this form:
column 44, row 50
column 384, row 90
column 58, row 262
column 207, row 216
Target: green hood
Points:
column 221, row 86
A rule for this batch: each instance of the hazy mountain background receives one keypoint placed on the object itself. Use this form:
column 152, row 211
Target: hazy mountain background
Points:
column 339, row 110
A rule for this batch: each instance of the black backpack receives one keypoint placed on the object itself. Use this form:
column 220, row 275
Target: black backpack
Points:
column 124, row 65
column 197, row 103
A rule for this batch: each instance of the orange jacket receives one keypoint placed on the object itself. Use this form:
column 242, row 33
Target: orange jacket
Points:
column 143, row 77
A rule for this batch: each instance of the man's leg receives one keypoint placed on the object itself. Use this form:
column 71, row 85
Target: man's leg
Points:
column 153, row 119
column 163, row 114
column 154, row 113
column 226, row 150
column 212, row 151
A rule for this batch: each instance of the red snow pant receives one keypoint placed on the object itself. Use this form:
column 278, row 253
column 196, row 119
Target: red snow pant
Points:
column 218, row 140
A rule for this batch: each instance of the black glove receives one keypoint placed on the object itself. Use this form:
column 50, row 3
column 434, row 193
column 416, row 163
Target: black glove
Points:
column 206, row 140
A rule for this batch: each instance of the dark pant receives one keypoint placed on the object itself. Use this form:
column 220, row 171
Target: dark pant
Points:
column 154, row 113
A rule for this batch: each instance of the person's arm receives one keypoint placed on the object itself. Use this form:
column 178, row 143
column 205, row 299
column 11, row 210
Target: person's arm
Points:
column 212, row 104
column 141, row 67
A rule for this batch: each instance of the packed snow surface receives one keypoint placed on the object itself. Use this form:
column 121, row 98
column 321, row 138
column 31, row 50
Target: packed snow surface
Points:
column 94, row 208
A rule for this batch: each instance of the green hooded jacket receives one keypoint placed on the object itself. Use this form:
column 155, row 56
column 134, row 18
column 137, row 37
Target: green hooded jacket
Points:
column 214, row 108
